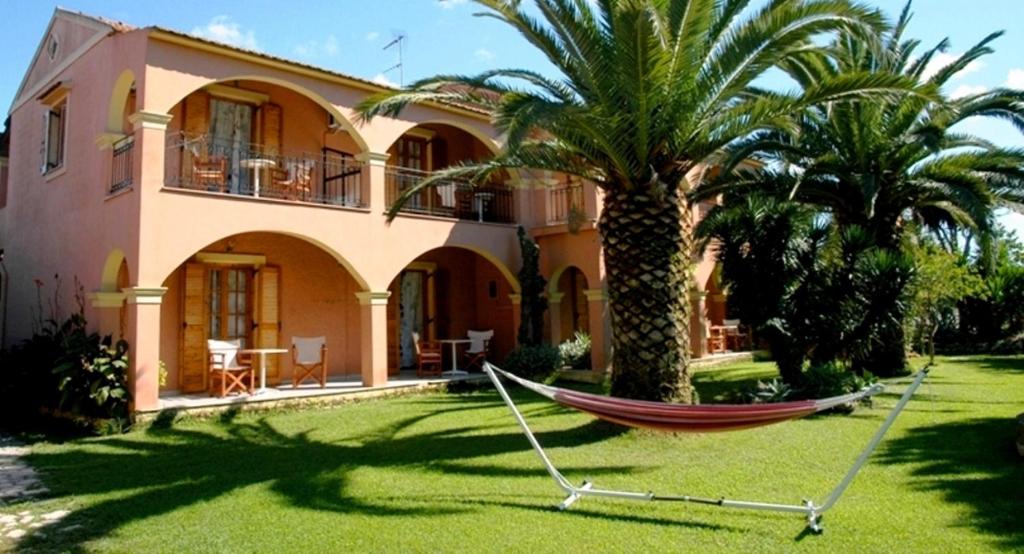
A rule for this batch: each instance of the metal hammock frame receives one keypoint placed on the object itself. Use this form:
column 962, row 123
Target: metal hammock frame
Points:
column 811, row 510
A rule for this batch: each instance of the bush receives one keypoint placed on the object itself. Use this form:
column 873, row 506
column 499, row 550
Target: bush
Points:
column 68, row 371
column 576, row 351
column 537, row 363
column 832, row 379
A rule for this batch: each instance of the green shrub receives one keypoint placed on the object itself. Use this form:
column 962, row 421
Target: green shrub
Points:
column 538, row 362
column 576, row 351
column 832, row 379
column 64, row 369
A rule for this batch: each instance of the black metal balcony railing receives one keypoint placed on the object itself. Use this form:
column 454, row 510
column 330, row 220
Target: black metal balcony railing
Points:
column 121, row 165
column 564, row 201
column 450, row 198
column 201, row 163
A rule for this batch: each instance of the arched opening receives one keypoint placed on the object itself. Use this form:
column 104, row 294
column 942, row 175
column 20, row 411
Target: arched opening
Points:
column 266, row 139
column 574, row 317
column 261, row 289
column 429, row 147
column 122, row 104
column 112, row 270
column 440, row 296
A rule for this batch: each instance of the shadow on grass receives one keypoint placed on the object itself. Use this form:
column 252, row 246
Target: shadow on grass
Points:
column 165, row 469
column 1014, row 364
column 972, row 463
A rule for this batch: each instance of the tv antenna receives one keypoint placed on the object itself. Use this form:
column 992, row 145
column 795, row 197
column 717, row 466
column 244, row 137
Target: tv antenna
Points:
column 397, row 42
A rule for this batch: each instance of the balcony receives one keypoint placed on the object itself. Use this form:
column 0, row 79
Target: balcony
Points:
column 121, row 165
column 565, row 203
column 492, row 203
column 198, row 162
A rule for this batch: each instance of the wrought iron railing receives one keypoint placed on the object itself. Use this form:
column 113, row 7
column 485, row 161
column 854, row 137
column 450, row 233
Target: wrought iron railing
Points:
column 232, row 167
column 121, row 165
column 450, row 198
column 564, row 201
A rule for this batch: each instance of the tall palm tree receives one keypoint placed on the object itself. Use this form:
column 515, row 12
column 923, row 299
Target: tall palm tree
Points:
column 645, row 92
column 879, row 163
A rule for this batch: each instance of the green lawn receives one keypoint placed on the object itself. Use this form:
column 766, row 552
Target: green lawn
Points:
column 444, row 472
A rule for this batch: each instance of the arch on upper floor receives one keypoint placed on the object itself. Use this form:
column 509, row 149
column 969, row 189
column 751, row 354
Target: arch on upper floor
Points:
column 111, row 269
column 342, row 260
column 318, row 99
column 118, row 105
column 387, row 141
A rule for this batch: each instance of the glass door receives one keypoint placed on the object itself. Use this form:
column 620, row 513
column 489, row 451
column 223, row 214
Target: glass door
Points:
column 230, row 304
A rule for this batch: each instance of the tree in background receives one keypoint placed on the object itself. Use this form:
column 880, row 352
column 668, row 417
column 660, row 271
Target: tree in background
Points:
column 942, row 281
column 883, row 163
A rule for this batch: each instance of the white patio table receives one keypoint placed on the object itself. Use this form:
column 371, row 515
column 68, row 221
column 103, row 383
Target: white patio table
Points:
column 262, row 353
column 257, row 165
column 455, row 368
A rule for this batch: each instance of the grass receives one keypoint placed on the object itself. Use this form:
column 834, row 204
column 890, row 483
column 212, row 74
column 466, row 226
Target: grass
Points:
column 452, row 472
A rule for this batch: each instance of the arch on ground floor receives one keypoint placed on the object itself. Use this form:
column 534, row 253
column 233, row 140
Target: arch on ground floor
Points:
column 342, row 260
column 112, row 267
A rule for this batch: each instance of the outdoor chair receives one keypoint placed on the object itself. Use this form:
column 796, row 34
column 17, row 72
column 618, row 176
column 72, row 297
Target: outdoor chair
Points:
column 716, row 340
column 212, row 172
column 309, row 360
column 736, row 336
column 230, row 370
column 296, row 181
column 479, row 344
column 428, row 357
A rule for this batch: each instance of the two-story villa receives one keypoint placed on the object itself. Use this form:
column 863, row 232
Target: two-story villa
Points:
column 198, row 190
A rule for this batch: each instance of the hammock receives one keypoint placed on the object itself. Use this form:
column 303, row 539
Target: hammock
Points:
column 685, row 417
column 696, row 419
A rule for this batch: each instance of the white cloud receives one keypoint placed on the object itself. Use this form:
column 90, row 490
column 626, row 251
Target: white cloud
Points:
column 942, row 59
column 484, row 54
column 372, row 36
column 1015, row 79
column 382, row 79
column 222, row 29
column 967, row 90
column 449, row 4
column 317, row 49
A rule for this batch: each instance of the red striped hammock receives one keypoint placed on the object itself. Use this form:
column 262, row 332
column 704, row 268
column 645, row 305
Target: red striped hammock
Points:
column 703, row 418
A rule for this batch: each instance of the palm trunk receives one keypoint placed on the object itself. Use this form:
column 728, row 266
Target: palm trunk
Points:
column 646, row 245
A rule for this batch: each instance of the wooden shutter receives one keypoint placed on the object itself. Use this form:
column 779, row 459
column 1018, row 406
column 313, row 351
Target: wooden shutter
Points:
column 197, row 114
column 270, row 129
column 394, row 335
column 192, row 364
column 268, row 319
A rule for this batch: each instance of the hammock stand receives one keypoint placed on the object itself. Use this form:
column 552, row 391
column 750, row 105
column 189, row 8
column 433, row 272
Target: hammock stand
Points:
column 701, row 419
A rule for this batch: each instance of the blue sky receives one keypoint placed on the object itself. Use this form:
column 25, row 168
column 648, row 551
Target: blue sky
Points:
column 443, row 36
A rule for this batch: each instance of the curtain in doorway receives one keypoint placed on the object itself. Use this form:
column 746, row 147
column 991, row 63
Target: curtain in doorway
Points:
column 411, row 316
column 230, row 134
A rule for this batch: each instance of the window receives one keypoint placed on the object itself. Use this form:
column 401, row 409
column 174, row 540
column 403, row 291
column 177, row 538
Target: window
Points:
column 52, row 47
column 229, row 302
column 410, row 153
column 56, row 124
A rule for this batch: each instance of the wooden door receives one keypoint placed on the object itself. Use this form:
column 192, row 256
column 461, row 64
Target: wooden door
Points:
column 268, row 317
column 192, row 365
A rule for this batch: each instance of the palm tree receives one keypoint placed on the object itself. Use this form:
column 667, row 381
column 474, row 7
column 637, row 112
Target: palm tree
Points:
column 881, row 163
column 645, row 92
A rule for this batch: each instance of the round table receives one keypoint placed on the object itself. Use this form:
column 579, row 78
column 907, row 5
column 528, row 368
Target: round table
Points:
column 455, row 368
column 262, row 353
column 257, row 165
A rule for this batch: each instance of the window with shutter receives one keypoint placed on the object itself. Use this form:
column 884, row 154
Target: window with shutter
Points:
column 55, row 130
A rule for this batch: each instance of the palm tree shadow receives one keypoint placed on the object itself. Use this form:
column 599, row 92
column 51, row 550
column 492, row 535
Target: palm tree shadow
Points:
column 972, row 463
column 151, row 474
